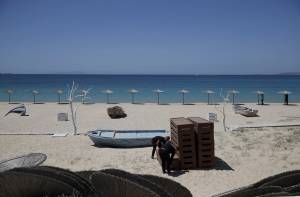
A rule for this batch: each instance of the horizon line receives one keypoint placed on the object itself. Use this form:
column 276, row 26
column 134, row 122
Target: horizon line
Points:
column 288, row 73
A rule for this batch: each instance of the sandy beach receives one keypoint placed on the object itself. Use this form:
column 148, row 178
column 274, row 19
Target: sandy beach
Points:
column 244, row 156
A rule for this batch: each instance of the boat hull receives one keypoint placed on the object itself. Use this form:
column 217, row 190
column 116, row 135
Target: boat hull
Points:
column 99, row 140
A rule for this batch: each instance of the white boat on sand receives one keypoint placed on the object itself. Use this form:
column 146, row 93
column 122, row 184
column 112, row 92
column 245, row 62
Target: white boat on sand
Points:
column 124, row 138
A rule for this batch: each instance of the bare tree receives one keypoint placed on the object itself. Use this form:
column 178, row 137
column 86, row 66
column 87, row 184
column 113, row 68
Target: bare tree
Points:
column 71, row 98
column 225, row 101
column 72, row 95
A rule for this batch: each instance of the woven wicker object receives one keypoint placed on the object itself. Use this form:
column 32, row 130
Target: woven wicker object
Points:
column 29, row 160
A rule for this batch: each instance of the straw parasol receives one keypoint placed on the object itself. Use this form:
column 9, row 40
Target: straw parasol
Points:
column 9, row 92
column 286, row 94
column 107, row 92
column 59, row 92
column 233, row 93
column 208, row 92
column 183, row 92
column 132, row 92
column 34, row 93
column 260, row 94
column 158, row 91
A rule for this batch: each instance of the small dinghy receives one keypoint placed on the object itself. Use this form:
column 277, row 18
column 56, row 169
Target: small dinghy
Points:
column 21, row 109
column 245, row 111
column 124, row 138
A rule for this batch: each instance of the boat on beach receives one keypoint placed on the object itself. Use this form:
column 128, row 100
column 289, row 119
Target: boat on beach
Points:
column 124, row 138
column 245, row 111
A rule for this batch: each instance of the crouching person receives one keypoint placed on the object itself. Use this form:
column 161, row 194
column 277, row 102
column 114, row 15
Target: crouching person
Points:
column 156, row 141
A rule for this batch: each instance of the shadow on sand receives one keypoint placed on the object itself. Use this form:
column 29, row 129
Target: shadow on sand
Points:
column 219, row 165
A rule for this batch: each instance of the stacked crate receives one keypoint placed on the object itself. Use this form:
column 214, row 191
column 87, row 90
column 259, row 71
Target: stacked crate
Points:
column 183, row 139
column 204, row 131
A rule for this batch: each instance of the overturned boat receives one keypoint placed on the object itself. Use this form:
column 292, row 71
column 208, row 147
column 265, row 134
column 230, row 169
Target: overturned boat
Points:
column 124, row 138
column 245, row 111
column 21, row 109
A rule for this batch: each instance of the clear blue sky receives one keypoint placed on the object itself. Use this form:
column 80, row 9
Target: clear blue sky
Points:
column 149, row 36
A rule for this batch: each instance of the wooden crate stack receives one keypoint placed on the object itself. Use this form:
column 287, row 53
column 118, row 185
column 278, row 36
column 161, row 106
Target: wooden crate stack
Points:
column 204, row 131
column 183, row 139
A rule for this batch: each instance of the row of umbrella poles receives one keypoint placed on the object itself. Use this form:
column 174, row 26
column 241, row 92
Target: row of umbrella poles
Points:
column 183, row 92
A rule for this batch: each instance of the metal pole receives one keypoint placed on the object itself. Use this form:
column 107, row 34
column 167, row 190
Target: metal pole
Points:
column 158, row 98
column 132, row 97
column 207, row 99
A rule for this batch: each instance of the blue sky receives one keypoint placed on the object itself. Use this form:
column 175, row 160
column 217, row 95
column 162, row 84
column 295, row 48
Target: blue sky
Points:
column 150, row 37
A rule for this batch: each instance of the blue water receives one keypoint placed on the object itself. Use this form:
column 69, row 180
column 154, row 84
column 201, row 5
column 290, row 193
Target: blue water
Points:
column 245, row 84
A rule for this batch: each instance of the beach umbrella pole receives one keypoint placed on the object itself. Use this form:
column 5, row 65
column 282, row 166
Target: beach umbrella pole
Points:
column 207, row 99
column 58, row 98
column 107, row 98
column 9, row 98
column 157, row 98
column 132, row 98
column 182, row 98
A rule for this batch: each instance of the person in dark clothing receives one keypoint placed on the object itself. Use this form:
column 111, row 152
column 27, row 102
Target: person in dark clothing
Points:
column 262, row 99
column 157, row 140
column 166, row 153
column 286, row 99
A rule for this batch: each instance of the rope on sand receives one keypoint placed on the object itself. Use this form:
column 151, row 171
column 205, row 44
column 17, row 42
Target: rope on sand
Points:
column 262, row 126
column 26, row 133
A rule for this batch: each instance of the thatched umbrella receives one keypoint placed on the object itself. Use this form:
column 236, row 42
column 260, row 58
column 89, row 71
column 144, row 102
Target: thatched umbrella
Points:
column 59, row 92
column 107, row 92
column 132, row 92
column 233, row 93
column 260, row 94
column 34, row 93
column 208, row 92
column 158, row 91
column 183, row 92
column 9, row 92
column 285, row 93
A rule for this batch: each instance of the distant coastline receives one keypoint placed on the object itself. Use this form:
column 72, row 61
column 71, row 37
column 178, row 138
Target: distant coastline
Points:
column 141, row 74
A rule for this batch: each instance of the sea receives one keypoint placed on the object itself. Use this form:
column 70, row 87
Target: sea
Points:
column 47, row 85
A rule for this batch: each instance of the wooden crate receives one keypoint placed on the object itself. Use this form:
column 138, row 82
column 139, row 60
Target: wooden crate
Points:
column 204, row 131
column 183, row 138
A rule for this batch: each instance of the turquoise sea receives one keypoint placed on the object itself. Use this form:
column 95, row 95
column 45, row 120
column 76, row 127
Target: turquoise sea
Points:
column 22, row 85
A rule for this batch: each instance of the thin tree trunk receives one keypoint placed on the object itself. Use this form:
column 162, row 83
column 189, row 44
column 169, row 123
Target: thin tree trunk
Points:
column 73, row 118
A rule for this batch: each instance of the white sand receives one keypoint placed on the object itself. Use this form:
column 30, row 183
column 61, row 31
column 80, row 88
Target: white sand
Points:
column 247, row 155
